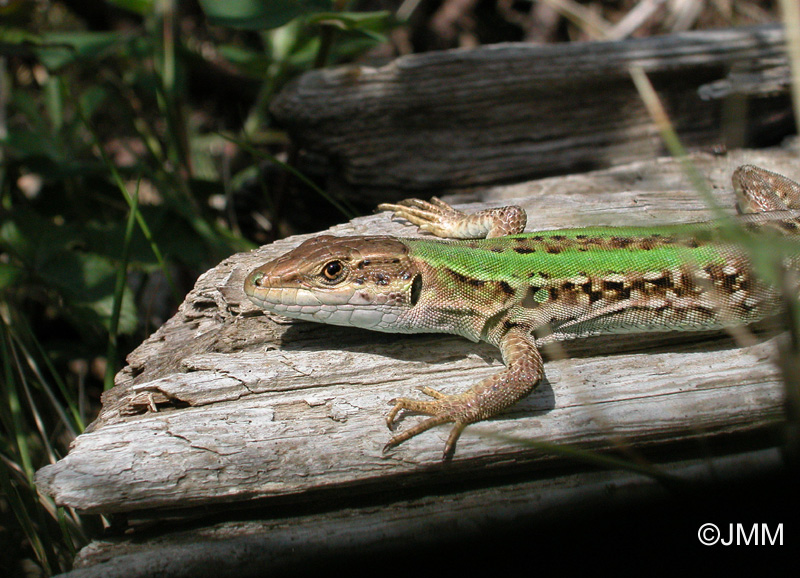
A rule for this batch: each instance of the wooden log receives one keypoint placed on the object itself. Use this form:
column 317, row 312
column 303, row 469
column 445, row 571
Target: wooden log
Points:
column 502, row 524
column 252, row 406
column 511, row 112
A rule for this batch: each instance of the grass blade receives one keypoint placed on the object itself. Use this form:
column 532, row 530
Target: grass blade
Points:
column 119, row 292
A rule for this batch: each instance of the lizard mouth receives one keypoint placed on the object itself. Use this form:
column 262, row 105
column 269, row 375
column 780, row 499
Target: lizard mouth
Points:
column 360, row 281
column 337, row 306
column 276, row 292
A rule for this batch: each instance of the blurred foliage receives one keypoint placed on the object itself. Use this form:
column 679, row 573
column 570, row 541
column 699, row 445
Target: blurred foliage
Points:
column 116, row 191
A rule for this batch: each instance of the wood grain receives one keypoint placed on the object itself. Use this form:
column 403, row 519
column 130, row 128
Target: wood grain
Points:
column 510, row 112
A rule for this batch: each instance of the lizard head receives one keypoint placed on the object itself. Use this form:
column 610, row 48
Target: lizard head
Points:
column 357, row 281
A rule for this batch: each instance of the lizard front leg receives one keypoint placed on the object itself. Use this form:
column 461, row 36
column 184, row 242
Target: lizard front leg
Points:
column 442, row 220
column 524, row 370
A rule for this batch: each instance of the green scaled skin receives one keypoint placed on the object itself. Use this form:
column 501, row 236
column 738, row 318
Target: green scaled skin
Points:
column 517, row 291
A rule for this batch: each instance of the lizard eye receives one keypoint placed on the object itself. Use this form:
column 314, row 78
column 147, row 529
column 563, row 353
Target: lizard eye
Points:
column 332, row 270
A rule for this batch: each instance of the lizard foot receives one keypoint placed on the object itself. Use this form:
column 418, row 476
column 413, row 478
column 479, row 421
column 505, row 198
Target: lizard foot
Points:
column 442, row 220
column 436, row 216
column 442, row 409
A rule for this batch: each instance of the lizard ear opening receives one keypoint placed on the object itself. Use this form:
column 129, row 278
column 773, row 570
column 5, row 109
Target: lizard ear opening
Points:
column 416, row 289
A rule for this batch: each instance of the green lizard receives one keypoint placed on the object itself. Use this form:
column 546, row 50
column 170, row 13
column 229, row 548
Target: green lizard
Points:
column 518, row 291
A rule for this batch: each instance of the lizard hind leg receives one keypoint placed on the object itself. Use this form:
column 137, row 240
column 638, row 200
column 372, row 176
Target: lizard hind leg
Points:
column 523, row 372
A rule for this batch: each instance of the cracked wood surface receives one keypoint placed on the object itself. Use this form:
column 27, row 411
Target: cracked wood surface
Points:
column 538, row 512
column 251, row 405
column 509, row 112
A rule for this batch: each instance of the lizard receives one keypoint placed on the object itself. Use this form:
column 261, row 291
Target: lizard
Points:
column 486, row 280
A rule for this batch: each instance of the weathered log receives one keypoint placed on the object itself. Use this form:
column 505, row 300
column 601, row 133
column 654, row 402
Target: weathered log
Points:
column 499, row 529
column 510, row 112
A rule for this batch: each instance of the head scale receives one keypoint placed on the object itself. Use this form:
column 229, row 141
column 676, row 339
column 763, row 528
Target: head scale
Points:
column 357, row 281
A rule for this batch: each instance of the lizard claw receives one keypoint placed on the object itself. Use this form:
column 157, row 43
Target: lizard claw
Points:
column 449, row 446
column 436, row 216
column 441, row 409
column 426, row 407
column 442, row 220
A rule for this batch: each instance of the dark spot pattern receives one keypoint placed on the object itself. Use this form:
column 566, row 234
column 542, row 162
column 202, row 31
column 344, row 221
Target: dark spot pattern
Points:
column 468, row 280
column 506, row 288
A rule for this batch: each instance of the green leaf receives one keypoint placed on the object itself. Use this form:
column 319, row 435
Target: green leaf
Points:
column 16, row 42
column 378, row 21
column 172, row 233
column 143, row 7
column 61, row 48
column 249, row 62
column 372, row 25
column 23, row 143
column 27, row 235
column 91, row 99
column 9, row 274
column 260, row 14
column 86, row 281
column 56, row 259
